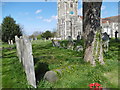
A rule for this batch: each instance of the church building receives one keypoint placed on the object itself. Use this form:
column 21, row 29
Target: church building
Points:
column 69, row 23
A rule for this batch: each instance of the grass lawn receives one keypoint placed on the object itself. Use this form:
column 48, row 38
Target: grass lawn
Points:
column 47, row 57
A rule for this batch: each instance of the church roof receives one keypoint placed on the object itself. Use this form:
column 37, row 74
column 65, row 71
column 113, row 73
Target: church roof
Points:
column 107, row 19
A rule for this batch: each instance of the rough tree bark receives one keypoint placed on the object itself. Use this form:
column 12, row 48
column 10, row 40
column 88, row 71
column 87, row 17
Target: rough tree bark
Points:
column 92, row 32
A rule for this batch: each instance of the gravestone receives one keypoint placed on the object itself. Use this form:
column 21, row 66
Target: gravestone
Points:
column 116, row 35
column 24, row 49
column 56, row 43
column 105, row 39
column 17, row 40
column 78, row 38
column 35, row 38
column 31, row 39
column 11, row 42
column 79, row 48
column 69, row 39
column 70, row 45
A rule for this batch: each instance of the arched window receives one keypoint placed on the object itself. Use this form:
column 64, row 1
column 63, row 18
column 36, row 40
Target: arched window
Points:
column 71, row 5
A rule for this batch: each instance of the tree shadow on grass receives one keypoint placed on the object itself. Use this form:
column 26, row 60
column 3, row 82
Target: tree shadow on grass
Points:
column 40, row 70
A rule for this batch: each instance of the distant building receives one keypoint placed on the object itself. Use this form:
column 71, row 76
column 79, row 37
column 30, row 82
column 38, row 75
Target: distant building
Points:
column 110, row 25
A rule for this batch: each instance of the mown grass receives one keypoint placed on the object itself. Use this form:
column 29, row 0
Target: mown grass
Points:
column 47, row 57
column 13, row 75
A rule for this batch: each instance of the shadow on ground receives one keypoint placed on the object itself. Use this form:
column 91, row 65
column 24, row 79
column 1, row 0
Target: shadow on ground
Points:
column 40, row 70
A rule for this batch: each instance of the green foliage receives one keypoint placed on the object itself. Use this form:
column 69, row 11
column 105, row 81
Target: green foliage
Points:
column 39, row 36
column 10, row 29
column 47, row 35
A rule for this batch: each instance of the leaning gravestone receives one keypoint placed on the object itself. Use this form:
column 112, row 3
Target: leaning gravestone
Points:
column 24, row 47
column 17, row 40
column 56, row 43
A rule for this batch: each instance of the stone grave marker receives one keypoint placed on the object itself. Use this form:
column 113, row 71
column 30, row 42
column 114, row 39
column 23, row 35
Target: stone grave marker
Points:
column 24, row 47
column 105, row 39
column 17, row 40
column 116, row 35
column 78, row 38
column 11, row 42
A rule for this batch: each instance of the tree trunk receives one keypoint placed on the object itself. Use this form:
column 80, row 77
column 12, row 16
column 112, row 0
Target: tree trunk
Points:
column 92, row 32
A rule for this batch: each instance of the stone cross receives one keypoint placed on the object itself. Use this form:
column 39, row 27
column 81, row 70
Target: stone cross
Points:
column 116, row 33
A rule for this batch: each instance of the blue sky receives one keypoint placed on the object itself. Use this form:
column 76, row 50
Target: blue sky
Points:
column 41, row 16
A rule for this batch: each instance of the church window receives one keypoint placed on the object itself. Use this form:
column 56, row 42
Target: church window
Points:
column 71, row 5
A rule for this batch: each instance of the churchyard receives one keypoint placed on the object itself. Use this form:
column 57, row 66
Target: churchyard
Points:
column 68, row 64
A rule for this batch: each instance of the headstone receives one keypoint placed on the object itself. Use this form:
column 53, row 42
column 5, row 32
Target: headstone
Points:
column 70, row 39
column 24, row 49
column 116, row 35
column 11, row 42
column 17, row 40
column 31, row 39
column 28, row 61
column 79, row 48
column 78, row 38
column 56, row 43
column 70, row 45
column 35, row 38
column 105, row 39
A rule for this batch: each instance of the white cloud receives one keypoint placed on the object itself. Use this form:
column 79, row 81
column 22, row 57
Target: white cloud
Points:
column 51, row 19
column 39, row 17
column 47, row 20
column 80, row 11
column 103, row 7
column 54, row 17
column 38, row 11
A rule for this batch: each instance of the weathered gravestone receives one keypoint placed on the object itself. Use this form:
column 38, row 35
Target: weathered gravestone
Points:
column 24, row 47
column 56, row 43
column 70, row 44
column 79, row 48
column 35, row 38
column 105, row 38
column 78, row 38
column 11, row 42
column 69, row 39
column 17, row 40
